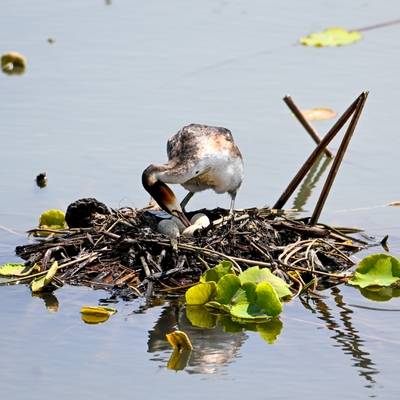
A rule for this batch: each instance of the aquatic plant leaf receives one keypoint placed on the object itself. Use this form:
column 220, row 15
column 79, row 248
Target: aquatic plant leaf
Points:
column 331, row 37
column 201, row 317
column 257, row 275
column 179, row 359
column 253, row 274
column 201, row 293
column 318, row 114
column 13, row 63
column 227, row 287
column 218, row 306
column 244, row 312
column 10, row 269
column 246, row 294
column 179, row 340
column 280, row 286
column 42, row 282
column 267, row 304
column 376, row 270
column 52, row 217
column 217, row 272
column 270, row 330
column 96, row 314
column 268, row 300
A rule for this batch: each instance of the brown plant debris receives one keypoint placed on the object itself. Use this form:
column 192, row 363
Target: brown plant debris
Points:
column 122, row 251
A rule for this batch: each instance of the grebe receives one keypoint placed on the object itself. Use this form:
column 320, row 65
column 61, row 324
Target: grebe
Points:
column 200, row 157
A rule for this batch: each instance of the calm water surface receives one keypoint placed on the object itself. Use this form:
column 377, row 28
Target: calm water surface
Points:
column 96, row 107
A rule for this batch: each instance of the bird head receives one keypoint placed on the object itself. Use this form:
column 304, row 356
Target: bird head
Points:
column 162, row 194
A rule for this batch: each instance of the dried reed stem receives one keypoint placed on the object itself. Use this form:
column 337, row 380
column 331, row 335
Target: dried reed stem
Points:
column 315, row 154
column 307, row 126
column 338, row 159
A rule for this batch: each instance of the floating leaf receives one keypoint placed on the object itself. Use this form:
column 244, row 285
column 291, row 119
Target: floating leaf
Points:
column 41, row 283
column 52, row 218
column 13, row 63
column 179, row 340
column 268, row 300
column 17, row 269
column 318, row 114
column 218, row 306
column 200, row 293
column 257, row 275
column 217, row 272
column 270, row 330
column 267, row 305
column 376, row 270
column 331, row 37
column 200, row 316
column 96, row 314
column 246, row 294
column 248, row 312
column 253, row 296
column 227, row 287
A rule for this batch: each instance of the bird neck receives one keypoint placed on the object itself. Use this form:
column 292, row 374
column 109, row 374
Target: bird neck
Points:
column 154, row 171
column 160, row 192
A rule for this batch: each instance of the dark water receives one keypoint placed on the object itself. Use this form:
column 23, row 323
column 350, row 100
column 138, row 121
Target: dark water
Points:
column 96, row 107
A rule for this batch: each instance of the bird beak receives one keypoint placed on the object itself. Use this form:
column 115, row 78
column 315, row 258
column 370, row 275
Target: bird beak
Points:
column 182, row 217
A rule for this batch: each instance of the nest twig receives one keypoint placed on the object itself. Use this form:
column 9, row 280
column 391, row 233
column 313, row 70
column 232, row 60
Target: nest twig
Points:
column 122, row 252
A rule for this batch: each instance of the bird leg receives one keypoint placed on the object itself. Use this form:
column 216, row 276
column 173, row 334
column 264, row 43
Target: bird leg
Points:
column 186, row 200
column 231, row 215
column 232, row 208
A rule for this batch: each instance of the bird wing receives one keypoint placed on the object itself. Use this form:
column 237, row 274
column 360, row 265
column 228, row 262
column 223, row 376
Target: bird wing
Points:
column 190, row 149
column 196, row 140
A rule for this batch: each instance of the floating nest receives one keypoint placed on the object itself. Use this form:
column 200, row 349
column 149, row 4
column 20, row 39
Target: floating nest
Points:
column 122, row 251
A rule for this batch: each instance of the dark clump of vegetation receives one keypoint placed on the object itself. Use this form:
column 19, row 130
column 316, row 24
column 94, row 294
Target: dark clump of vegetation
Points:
column 123, row 252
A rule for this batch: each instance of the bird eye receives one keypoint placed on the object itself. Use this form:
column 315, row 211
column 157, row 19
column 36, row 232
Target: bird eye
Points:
column 197, row 172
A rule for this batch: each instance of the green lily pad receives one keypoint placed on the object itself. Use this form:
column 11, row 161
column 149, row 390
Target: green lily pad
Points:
column 331, row 37
column 227, row 287
column 201, row 293
column 40, row 283
column 248, row 312
column 246, row 294
column 179, row 340
column 218, row 306
column 96, row 314
column 201, row 317
column 217, row 272
column 257, row 275
column 376, row 270
column 267, row 305
column 17, row 269
column 268, row 300
column 52, row 217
